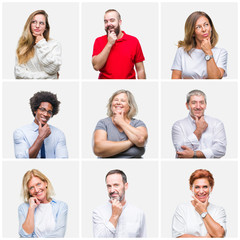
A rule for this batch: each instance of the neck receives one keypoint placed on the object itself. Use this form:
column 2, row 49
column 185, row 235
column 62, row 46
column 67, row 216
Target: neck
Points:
column 120, row 35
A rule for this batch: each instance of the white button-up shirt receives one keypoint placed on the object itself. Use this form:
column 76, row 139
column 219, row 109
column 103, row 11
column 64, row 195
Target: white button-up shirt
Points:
column 212, row 142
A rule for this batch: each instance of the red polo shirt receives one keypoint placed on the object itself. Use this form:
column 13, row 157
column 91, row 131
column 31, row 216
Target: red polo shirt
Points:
column 121, row 60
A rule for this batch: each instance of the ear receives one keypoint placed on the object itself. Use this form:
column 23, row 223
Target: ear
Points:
column 126, row 186
column 120, row 22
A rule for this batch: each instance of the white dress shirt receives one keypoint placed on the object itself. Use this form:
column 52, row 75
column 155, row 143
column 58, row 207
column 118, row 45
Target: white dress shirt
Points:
column 187, row 220
column 131, row 223
column 212, row 142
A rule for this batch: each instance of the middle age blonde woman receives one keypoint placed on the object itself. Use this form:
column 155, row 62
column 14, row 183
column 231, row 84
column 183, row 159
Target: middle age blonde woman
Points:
column 38, row 56
column 197, row 56
column 40, row 216
column 120, row 135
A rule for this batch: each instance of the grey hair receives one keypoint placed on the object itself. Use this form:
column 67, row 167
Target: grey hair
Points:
column 117, row 171
column 131, row 103
column 196, row 92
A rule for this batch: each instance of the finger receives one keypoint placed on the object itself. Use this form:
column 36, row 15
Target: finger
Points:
column 195, row 199
column 184, row 147
column 39, row 125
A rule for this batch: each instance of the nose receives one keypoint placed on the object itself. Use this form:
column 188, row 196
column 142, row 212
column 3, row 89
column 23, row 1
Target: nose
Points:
column 203, row 28
column 201, row 190
column 37, row 24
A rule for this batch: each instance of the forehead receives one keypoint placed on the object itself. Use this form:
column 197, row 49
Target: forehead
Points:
column 202, row 20
column 114, row 178
column 201, row 182
column 46, row 105
column 39, row 17
column 121, row 95
column 198, row 98
column 34, row 180
column 110, row 15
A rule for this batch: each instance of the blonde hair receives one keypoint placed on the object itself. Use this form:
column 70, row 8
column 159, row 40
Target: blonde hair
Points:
column 131, row 103
column 28, row 176
column 25, row 49
column 189, row 41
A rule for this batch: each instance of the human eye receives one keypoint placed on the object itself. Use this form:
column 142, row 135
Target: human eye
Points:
column 33, row 21
column 205, row 187
column 42, row 23
column 39, row 184
column 112, row 20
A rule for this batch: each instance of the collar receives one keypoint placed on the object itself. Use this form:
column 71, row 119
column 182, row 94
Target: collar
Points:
column 53, row 201
column 34, row 126
column 123, row 38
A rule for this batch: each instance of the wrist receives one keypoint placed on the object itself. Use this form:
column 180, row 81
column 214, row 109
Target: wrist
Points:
column 194, row 154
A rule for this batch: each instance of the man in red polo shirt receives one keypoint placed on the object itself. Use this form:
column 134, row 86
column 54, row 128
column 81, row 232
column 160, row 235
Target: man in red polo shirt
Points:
column 116, row 53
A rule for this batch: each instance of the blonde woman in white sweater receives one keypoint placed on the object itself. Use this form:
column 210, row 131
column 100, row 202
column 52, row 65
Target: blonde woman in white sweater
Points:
column 38, row 57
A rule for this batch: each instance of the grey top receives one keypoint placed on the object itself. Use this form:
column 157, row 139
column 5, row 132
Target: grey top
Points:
column 113, row 134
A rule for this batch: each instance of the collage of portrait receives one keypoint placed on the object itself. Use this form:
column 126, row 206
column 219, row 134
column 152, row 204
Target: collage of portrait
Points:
column 119, row 119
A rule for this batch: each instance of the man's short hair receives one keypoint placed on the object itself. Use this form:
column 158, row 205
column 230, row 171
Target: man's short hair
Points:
column 117, row 171
column 196, row 92
column 42, row 96
column 113, row 10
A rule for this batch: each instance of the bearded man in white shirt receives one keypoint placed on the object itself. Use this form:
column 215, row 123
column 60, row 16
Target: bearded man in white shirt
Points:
column 117, row 218
column 198, row 135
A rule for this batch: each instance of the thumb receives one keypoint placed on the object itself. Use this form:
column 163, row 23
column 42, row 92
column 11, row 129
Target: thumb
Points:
column 39, row 125
column 184, row 147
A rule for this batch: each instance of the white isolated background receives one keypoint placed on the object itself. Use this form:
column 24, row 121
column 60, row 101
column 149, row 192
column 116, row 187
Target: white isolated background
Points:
column 142, row 177
column 95, row 97
column 64, row 27
column 139, row 19
column 64, row 176
column 175, row 190
column 17, row 111
column 225, row 19
column 222, row 103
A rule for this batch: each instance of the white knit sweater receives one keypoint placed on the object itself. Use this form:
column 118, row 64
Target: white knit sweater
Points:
column 45, row 63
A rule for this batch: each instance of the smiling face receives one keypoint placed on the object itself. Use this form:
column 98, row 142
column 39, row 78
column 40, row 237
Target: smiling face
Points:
column 38, row 188
column 112, row 22
column 43, row 113
column 115, row 187
column 196, row 106
column 120, row 104
column 202, row 30
column 38, row 24
column 201, row 189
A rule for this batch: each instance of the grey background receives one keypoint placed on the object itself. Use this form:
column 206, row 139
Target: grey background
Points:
column 95, row 97
column 17, row 111
column 64, row 176
column 142, row 190
column 222, row 103
column 175, row 190
column 138, row 19
column 225, row 19
column 64, row 28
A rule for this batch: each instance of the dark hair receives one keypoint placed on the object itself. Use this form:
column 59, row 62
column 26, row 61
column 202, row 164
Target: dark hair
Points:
column 42, row 96
column 117, row 171
column 201, row 173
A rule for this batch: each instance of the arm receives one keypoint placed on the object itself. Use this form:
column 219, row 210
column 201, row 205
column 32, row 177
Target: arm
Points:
column 20, row 144
column 104, row 148
column 140, row 70
column 49, row 54
column 143, row 233
column 98, row 61
column 61, row 222
column 176, row 74
column 61, row 148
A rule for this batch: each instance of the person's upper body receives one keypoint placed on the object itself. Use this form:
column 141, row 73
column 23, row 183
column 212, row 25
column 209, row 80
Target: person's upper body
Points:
column 116, row 54
column 117, row 218
column 197, row 57
column 38, row 139
column 198, row 135
column 120, row 135
column 199, row 218
column 40, row 216
column 38, row 57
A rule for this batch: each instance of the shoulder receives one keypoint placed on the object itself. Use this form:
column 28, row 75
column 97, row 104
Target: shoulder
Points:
column 23, row 207
column 102, row 208
column 219, row 50
column 215, row 207
column 137, row 122
column 102, row 38
column 24, row 128
column 182, row 208
column 180, row 122
column 212, row 120
column 105, row 121
column 59, row 204
column 52, row 43
column 130, row 38
column 55, row 130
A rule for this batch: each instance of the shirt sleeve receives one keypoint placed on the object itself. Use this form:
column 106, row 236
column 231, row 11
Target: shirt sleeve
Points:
column 101, row 125
column 139, row 57
column 222, row 61
column 22, row 217
column 20, row 144
column 139, row 123
column 178, row 223
column 97, row 47
column 143, row 233
column 177, row 63
column 221, row 218
column 61, row 148
column 49, row 55
column 102, row 228
column 61, row 222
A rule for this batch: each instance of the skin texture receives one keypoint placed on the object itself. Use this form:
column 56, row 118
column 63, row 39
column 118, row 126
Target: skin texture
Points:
column 202, row 34
column 38, row 27
column 136, row 136
column 112, row 26
column 196, row 107
column 116, row 192
column 41, row 118
column 38, row 191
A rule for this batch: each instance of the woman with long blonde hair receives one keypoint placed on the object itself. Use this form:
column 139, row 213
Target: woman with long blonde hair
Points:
column 38, row 56
column 197, row 56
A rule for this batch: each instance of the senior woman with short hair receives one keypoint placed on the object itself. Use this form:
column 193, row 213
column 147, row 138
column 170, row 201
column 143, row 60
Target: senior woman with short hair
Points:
column 120, row 135
column 40, row 216
column 199, row 218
